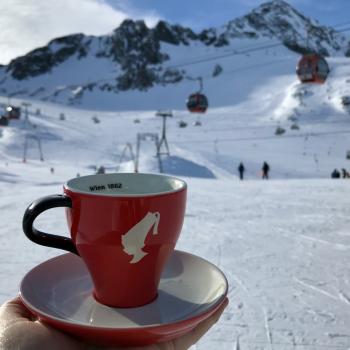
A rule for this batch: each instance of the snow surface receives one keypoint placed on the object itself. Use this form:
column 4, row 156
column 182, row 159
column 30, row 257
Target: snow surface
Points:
column 284, row 244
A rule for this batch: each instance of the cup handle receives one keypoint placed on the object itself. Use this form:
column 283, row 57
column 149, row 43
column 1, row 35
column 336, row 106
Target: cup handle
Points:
column 42, row 238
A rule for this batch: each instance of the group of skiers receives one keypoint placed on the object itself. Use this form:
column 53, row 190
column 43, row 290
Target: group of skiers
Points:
column 336, row 174
column 264, row 170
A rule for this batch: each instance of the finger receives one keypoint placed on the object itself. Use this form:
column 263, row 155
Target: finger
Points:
column 192, row 337
column 15, row 309
column 204, row 326
column 18, row 331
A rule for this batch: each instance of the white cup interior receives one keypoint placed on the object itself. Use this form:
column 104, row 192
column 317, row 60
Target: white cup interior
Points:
column 125, row 184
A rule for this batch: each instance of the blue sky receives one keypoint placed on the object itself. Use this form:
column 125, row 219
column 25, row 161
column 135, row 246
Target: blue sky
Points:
column 203, row 13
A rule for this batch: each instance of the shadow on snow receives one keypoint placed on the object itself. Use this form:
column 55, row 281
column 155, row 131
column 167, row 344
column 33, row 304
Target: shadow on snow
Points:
column 182, row 167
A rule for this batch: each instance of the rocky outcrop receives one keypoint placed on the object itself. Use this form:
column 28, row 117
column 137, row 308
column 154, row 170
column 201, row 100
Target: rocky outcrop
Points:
column 42, row 60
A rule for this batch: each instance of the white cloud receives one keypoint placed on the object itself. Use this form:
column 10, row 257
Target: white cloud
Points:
column 27, row 24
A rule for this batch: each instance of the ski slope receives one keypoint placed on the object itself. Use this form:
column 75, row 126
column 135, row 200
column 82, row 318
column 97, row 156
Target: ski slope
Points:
column 242, row 131
column 283, row 244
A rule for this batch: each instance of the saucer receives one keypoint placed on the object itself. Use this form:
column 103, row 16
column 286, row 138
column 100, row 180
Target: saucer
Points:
column 59, row 292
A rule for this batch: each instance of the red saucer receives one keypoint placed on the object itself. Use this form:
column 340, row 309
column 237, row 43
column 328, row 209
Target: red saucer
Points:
column 59, row 292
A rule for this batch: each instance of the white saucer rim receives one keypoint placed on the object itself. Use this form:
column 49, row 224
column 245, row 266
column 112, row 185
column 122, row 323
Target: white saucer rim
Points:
column 187, row 323
column 126, row 329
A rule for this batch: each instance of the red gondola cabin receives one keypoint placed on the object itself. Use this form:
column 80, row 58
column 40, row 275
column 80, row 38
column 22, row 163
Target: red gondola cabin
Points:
column 197, row 103
column 312, row 68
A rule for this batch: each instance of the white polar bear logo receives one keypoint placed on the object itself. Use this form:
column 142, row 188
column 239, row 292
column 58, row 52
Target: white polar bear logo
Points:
column 134, row 240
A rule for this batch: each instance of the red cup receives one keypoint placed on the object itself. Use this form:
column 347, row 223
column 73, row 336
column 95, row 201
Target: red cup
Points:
column 124, row 227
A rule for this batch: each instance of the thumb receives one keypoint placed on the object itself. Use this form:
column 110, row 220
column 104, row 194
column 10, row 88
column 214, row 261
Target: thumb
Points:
column 15, row 309
column 191, row 338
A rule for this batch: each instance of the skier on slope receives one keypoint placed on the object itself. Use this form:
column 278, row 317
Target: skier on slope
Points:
column 265, row 171
column 345, row 174
column 241, row 170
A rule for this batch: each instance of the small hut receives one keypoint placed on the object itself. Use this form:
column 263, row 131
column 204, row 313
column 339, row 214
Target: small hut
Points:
column 13, row 112
column 4, row 121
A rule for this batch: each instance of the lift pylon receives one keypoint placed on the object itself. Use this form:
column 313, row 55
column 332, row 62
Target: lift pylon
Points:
column 25, row 148
column 163, row 139
column 147, row 136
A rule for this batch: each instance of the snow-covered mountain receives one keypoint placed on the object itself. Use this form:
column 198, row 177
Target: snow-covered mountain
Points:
column 75, row 68
column 248, row 71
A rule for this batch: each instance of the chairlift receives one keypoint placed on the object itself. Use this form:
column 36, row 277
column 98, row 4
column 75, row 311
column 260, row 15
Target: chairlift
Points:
column 312, row 68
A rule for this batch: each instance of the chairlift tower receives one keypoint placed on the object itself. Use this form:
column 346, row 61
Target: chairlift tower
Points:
column 26, row 115
column 163, row 139
column 147, row 136
column 25, row 147
column 128, row 147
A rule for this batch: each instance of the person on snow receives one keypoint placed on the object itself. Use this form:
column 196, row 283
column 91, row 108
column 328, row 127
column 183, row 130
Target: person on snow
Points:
column 335, row 174
column 101, row 170
column 241, row 170
column 345, row 174
column 265, row 171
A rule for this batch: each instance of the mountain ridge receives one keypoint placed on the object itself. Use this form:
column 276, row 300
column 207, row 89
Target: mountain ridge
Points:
column 132, row 56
